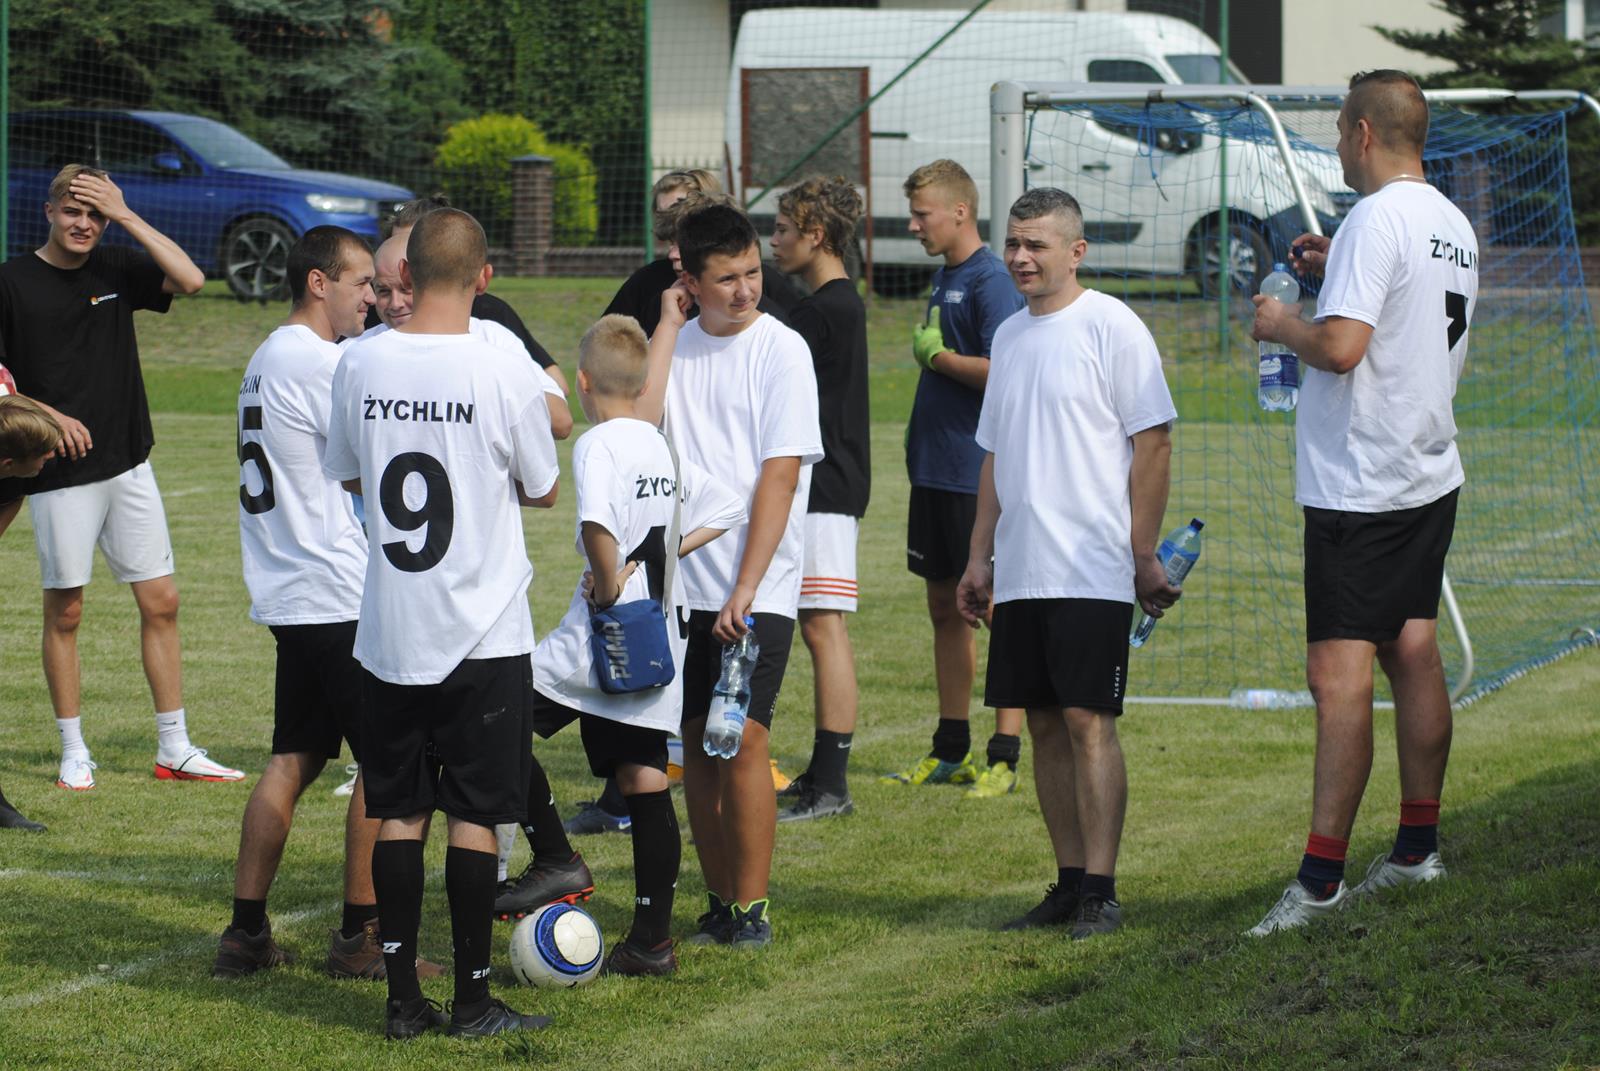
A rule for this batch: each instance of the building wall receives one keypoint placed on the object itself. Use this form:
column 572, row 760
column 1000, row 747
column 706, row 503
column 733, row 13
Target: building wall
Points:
column 689, row 52
column 1324, row 44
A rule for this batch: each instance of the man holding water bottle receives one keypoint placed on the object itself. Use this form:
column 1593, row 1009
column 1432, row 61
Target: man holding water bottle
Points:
column 1377, row 472
column 1076, row 421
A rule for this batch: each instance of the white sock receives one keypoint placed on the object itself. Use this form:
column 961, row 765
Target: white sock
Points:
column 506, row 836
column 72, row 745
column 172, row 734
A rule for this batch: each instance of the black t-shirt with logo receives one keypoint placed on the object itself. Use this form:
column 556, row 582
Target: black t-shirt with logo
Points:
column 640, row 295
column 67, row 336
column 833, row 321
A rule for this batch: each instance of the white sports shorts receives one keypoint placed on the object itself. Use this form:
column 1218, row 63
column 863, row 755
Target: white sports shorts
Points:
column 122, row 515
column 829, row 580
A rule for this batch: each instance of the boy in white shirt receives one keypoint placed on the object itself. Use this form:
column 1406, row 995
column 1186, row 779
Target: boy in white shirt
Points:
column 628, row 490
column 741, row 403
column 448, row 436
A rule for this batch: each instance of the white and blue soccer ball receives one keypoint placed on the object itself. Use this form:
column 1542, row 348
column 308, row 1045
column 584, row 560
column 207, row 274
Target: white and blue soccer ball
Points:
column 558, row 945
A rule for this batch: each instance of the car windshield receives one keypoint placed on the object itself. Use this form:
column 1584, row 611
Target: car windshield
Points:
column 1204, row 69
column 222, row 146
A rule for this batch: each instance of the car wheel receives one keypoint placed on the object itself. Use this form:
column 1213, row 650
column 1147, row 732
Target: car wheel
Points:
column 255, row 259
column 1249, row 259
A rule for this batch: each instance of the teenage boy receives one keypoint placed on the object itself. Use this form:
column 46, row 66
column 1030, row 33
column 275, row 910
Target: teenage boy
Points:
column 66, row 330
column 741, row 403
column 447, row 435
column 29, row 436
column 1076, row 429
column 304, row 557
column 628, row 492
column 816, row 222
column 971, row 298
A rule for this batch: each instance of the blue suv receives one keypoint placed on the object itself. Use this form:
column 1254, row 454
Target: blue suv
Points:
column 234, row 206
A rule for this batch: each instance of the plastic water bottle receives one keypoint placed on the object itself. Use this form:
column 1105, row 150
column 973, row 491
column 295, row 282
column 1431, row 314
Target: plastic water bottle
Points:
column 1279, row 366
column 1269, row 699
column 730, row 699
column 1177, row 554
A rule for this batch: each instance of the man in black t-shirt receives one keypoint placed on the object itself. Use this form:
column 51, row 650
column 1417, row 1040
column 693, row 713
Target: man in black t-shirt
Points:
column 66, row 331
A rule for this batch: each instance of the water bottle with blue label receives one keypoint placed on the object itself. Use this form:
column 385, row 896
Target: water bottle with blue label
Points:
column 1177, row 555
column 1279, row 365
column 730, row 699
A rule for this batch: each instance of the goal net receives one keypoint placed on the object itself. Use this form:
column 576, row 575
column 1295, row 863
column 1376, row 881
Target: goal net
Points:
column 1187, row 204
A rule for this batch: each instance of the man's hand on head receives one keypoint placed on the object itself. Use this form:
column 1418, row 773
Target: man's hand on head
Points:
column 102, row 195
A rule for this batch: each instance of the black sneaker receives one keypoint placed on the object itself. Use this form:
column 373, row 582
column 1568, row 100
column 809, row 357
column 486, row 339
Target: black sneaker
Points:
column 240, row 953
column 717, row 926
column 495, row 1018
column 638, row 961
column 1096, row 916
column 410, row 1018
column 1058, row 908
column 539, row 885
column 593, row 818
column 11, row 818
column 755, row 931
column 817, row 803
column 797, row 788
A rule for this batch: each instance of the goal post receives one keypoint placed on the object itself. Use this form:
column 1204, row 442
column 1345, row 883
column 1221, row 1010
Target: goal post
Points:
column 1149, row 164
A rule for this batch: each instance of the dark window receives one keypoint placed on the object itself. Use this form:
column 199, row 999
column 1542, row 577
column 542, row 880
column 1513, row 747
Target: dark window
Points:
column 1122, row 70
column 48, row 143
column 129, row 146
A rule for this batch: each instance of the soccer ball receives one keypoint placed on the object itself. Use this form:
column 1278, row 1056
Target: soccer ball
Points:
column 557, row 945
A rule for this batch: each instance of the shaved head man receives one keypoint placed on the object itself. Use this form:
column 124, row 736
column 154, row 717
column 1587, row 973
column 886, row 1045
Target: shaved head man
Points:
column 393, row 293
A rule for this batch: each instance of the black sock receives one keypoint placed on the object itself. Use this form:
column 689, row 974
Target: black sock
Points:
column 830, row 755
column 249, row 915
column 1102, row 885
column 612, row 801
column 469, row 879
column 397, row 879
column 546, row 835
column 1006, row 749
column 657, row 852
column 952, row 739
column 355, row 917
column 1069, row 879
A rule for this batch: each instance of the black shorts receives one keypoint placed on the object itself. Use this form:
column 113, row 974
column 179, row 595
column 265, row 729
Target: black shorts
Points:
column 1049, row 653
column 462, row 746
column 607, row 743
column 939, row 533
column 1367, row 574
column 702, row 665
column 317, row 694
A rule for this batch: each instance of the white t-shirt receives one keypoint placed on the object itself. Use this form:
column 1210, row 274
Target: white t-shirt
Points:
column 304, row 553
column 733, row 403
column 440, row 428
column 497, row 335
column 1383, row 436
column 1065, row 395
column 623, row 474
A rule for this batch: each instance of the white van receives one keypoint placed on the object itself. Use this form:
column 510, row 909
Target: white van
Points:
column 1149, row 209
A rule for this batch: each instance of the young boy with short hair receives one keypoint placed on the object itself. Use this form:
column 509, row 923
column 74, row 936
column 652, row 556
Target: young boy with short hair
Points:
column 28, row 437
column 632, row 492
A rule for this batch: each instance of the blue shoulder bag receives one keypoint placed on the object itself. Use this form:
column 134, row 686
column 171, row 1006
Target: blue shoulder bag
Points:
column 628, row 640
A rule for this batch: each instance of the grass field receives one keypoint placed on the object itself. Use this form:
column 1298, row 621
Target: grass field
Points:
column 887, row 952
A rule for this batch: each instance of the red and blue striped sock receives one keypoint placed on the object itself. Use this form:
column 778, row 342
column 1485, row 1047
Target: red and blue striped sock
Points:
column 1418, row 837
column 1322, row 867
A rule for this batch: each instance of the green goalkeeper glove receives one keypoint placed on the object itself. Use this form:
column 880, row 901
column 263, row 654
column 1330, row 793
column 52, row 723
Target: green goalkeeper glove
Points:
column 927, row 340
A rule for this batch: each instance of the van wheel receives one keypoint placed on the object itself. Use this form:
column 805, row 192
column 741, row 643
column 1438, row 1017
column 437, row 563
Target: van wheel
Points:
column 1249, row 258
column 255, row 259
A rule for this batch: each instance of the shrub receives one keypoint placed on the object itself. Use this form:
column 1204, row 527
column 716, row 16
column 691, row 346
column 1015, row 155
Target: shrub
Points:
column 474, row 162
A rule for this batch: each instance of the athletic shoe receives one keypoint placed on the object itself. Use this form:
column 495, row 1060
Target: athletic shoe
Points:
column 497, row 1018
column 239, row 954
column 637, row 961
column 408, row 1019
column 593, row 818
column 755, row 929
column 779, row 780
column 1296, row 907
column 717, row 926
column 361, row 957
column 817, row 803
column 933, row 770
column 1095, row 916
column 11, row 818
column 348, row 788
column 77, row 773
column 998, row 780
column 797, row 788
column 1059, row 907
column 1385, row 873
column 538, row 885
column 193, row 765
